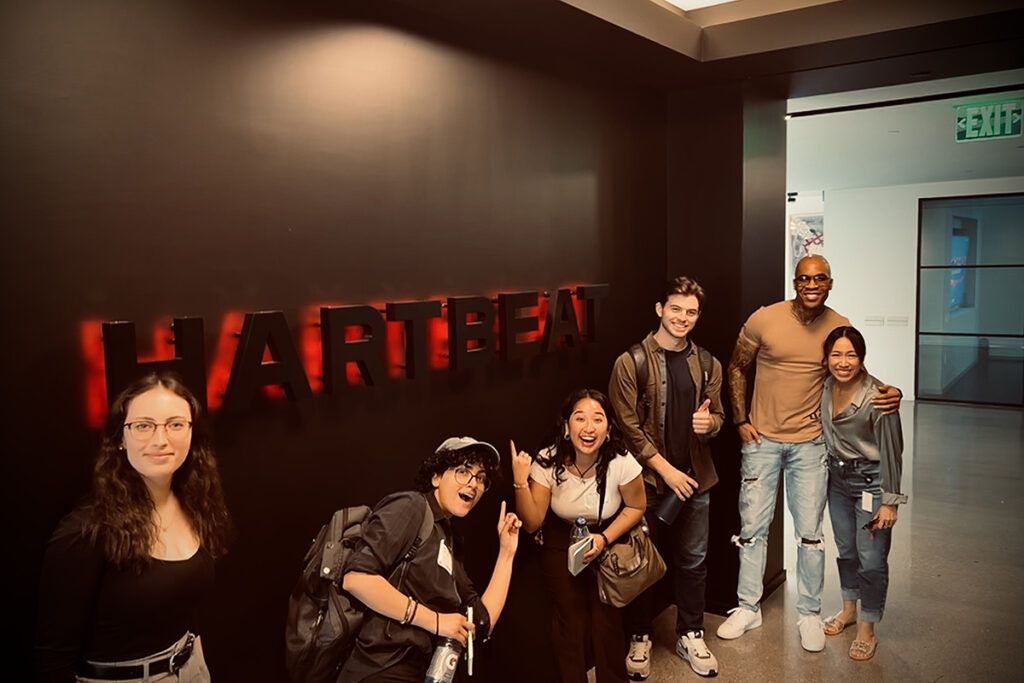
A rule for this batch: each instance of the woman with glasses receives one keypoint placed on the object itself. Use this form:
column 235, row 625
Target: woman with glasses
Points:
column 585, row 464
column 125, row 573
column 865, row 462
column 429, row 599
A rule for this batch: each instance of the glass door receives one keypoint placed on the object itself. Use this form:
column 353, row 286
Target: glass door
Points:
column 970, row 313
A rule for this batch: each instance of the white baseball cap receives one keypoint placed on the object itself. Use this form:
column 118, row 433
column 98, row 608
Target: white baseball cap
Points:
column 457, row 443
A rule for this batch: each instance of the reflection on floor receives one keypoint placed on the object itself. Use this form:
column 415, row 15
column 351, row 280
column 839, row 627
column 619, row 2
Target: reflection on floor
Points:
column 956, row 598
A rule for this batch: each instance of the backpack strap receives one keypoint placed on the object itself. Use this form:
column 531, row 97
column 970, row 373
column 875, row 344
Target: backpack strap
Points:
column 639, row 356
column 426, row 528
column 706, row 364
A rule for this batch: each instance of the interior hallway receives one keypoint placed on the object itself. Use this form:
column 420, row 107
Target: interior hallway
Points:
column 955, row 610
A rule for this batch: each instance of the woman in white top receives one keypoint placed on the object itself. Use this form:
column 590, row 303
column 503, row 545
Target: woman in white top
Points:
column 567, row 478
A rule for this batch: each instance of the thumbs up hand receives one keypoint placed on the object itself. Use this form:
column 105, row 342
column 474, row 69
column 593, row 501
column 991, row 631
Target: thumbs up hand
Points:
column 702, row 422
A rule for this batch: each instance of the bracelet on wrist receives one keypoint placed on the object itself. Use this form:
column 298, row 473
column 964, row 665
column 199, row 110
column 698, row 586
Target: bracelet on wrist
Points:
column 516, row 485
column 744, row 422
column 601, row 534
column 408, row 610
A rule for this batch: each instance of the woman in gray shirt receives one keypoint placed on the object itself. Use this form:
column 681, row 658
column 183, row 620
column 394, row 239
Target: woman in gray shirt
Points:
column 865, row 460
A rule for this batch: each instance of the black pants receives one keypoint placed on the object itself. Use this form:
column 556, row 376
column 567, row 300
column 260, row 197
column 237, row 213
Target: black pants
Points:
column 583, row 628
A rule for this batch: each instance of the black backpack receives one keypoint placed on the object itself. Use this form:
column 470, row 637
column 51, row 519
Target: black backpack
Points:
column 324, row 620
column 643, row 374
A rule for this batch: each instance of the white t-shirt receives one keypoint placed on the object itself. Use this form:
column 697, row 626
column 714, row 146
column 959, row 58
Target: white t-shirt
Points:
column 576, row 497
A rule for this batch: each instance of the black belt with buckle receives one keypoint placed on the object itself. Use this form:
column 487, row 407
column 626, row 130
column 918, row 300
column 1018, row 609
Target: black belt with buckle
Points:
column 119, row 672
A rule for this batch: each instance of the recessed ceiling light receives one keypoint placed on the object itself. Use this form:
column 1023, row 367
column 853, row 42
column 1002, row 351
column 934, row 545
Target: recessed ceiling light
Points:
column 695, row 4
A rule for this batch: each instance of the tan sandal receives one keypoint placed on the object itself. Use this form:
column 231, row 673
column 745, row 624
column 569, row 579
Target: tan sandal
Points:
column 863, row 650
column 834, row 625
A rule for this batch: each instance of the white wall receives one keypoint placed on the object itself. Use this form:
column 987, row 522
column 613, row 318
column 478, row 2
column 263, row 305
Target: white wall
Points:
column 871, row 242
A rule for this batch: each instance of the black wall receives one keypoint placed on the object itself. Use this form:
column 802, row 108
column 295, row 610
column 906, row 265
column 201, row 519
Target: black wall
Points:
column 165, row 159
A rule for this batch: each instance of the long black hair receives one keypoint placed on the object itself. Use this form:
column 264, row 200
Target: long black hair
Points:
column 562, row 454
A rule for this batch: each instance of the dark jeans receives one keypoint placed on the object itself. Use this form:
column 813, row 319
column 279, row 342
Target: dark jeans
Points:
column 684, row 545
column 863, row 561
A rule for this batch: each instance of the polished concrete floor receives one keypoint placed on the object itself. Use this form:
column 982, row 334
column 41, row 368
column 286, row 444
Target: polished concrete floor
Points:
column 955, row 610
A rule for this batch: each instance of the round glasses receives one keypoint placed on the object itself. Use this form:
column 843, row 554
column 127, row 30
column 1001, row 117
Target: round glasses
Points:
column 463, row 475
column 144, row 430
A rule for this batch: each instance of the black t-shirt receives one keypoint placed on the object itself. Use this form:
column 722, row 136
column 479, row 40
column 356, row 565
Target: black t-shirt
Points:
column 90, row 609
column 679, row 407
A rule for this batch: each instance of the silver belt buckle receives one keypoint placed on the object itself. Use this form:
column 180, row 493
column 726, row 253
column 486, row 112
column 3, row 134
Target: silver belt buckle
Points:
column 181, row 655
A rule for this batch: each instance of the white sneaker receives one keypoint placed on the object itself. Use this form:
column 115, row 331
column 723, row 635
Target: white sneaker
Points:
column 739, row 622
column 812, row 633
column 692, row 648
column 638, row 661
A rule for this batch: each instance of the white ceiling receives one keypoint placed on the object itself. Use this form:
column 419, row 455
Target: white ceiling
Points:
column 896, row 145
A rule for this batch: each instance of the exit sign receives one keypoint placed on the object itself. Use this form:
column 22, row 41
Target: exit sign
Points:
column 989, row 120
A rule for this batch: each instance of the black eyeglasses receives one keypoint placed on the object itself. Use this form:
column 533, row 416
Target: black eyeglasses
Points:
column 463, row 475
column 820, row 278
column 144, row 430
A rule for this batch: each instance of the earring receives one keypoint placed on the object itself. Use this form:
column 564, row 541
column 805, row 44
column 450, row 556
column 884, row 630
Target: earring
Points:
column 566, row 437
column 607, row 438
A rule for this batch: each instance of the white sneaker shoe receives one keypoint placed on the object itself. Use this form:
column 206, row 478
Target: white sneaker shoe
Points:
column 812, row 633
column 739, row 622
column 638, row 661
column 692, row 648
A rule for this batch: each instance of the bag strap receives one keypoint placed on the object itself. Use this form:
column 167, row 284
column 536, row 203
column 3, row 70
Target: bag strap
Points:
column 426, row 528
column 705, row 365
column 639, row 355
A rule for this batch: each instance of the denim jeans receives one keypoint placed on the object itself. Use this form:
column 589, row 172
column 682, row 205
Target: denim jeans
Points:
column 806, row 484
column 863, row 561
column 684, row 545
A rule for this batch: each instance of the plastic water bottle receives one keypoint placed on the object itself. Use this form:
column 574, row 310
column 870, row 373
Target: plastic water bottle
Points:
column 444, row 662
column 579, row 530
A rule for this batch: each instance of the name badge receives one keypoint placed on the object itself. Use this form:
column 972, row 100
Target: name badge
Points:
column 444, row 557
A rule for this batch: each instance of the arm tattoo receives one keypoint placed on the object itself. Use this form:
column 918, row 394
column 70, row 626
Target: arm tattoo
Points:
column 742, row 358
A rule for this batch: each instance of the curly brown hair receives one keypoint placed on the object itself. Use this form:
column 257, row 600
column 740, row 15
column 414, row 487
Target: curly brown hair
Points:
column 119, row 511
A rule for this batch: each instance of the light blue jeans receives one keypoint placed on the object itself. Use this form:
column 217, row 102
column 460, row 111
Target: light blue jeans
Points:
column 806, row 485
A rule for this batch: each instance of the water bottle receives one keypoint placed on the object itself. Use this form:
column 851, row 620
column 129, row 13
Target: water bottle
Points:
column 579, row 530
column 669, row 508
column 443, row 664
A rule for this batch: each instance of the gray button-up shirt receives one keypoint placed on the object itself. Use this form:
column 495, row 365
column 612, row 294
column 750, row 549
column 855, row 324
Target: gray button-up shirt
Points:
column 860, row 431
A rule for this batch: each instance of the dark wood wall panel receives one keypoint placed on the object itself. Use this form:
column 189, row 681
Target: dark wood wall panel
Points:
column 166, row 159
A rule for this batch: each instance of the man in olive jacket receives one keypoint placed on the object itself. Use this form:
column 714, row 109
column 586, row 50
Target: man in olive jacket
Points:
column 667, row 423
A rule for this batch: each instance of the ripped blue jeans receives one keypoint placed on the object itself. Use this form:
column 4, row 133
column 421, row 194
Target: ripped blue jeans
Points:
column 806, row 486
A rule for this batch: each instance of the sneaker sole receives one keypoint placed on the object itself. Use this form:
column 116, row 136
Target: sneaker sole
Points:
column 711, row 674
